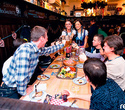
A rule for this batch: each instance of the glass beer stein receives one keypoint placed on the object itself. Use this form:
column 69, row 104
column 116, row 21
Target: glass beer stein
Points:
column 81, row 51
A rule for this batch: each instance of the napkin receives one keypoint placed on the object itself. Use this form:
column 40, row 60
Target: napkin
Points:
column 56, row 101
column 40, row 87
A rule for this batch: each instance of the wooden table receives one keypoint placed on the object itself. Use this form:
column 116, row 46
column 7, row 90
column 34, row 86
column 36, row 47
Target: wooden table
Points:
column 56, row 85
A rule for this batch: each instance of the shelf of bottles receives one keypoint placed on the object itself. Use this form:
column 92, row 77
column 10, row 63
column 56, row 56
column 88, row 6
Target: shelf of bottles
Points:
column 46, row 5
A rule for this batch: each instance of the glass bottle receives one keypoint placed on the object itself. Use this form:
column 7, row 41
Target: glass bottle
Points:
column 38, row 2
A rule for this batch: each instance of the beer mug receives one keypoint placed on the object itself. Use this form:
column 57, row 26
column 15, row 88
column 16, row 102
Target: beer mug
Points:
column 81, row 51
column 73, row 52
column 61, row 51
column 67, row 38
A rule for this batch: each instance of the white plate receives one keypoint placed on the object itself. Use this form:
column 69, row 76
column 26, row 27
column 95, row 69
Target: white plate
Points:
column 48, row 77
column 77, row 82
column 67, row 104
column 36, row 98
column 79, row 65
column 54, row 66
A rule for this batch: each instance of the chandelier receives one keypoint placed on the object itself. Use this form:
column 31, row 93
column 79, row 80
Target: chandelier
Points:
column 96, row 4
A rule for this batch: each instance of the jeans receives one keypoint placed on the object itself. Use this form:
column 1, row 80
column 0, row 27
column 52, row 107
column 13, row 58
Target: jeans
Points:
column 10, row 92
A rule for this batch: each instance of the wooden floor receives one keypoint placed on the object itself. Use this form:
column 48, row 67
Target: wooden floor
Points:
column 15, row 104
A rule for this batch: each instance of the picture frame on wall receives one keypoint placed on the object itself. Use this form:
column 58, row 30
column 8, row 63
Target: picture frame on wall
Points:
column 111, row 7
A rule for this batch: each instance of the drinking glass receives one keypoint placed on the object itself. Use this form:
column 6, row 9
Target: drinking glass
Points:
column 67, row 38
column 81, row 51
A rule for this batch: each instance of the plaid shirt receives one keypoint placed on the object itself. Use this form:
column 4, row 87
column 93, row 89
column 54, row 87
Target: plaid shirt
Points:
column 23, row 64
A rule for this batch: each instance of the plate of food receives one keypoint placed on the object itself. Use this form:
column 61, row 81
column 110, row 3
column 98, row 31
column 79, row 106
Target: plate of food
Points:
column 59, row 59
column 54, row 66
column 79, row 66
column 67, row 72
column 37, row 96
column 69, row 62
column 80, row 81
column 67, row 104
column 43, row 77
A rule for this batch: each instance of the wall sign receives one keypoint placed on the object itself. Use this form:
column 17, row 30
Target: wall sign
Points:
column 10, row 9
column 111, row 7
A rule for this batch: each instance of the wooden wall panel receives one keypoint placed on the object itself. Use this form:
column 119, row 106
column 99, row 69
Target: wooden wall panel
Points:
column 6, row 29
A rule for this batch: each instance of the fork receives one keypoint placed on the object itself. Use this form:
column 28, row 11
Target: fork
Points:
column 36, row 89
column 35, row 92
column 80, row 78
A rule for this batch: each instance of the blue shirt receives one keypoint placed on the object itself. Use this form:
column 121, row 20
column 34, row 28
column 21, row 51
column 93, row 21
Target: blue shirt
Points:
column 94, row 55
column 80, row 37
column 23, row 64
column 108, row 97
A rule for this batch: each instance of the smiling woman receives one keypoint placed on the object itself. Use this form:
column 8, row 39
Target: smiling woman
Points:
column 68, row 29
column 81, row 36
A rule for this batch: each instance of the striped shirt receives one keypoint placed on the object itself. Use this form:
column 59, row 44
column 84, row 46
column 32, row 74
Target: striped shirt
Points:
column 23, row 64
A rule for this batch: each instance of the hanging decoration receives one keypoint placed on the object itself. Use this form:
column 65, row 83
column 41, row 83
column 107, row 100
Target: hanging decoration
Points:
column 84, row 5
column 95, row 5
column 90, row 5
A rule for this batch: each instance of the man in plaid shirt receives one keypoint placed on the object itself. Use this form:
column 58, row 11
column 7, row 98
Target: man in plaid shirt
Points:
column 24, row 62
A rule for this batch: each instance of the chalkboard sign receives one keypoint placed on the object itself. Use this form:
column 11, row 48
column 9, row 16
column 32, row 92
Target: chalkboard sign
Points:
column 10, row 9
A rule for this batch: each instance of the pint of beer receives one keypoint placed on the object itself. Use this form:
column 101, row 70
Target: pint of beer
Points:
column 81, row 54
column 73, row 52
column 61, row 51
column 82, row 58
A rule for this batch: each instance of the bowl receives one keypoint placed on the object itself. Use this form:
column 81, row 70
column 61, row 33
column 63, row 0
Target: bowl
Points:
column 69, row 62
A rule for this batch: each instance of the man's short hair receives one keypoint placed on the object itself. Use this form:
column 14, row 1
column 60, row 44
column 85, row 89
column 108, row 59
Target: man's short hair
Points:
column 96, row 71
column 116, row 42
column 37, row 32
column 100, row 37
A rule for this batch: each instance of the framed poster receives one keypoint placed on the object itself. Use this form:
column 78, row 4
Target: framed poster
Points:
column 111, row 7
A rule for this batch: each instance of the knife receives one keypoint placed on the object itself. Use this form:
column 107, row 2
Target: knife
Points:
column 73, row 102
column 46, row 76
